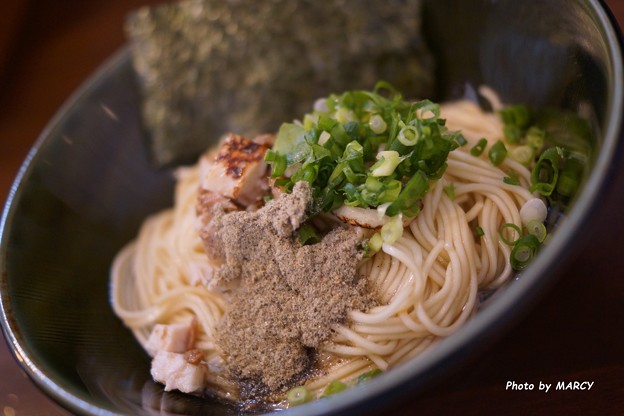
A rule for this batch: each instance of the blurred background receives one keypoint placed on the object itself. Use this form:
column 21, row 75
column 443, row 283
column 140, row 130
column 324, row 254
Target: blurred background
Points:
column 49, row 47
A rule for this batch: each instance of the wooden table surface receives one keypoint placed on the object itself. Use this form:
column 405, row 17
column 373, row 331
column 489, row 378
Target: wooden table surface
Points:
column 575, row 333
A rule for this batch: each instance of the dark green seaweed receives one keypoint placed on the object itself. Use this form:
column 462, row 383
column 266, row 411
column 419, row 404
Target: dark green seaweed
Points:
column 209, row 67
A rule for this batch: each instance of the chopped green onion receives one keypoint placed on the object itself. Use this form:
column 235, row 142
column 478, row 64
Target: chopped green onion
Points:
column 513, row 134
column 298, row 395
column 335, row 150
column 375, row 243
column 307, row 235
column 460, row 139
column 478, row 148
column 353, row 148
column 377, row 124
column 290, row 142
column 564, row 136
column 546, row 172
column 533, row 209
column 513, row 227
column 388, row 160
column 449, row 190
column 324, row 137
column 426, row 106
column 497, row 153
column 511, row 181
column 522, row 154
column 344, row 115
column 307, row 173
column 336, row 386
column 408, row 200
column 368, row 375
column 567, row 184
column 389, row 193
column 523, row 251
column 277, row 163
column 408, row 135
column 479, row 231
column 516, row 119
column 516, row 115
column 373, row 184
column 392, row 230
column 538, row 229
column 308, row 121
column 535, row 138
column 570, row 177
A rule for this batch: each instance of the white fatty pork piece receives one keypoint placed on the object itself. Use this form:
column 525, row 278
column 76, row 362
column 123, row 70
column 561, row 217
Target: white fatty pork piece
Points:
column 238, row 170
column 176, row 373
column 177, row 338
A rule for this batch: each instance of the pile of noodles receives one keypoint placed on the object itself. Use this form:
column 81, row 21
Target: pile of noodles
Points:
column 428, row 280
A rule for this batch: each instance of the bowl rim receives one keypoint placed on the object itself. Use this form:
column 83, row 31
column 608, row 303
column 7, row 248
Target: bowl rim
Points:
column 509, row 307
column 12, row 333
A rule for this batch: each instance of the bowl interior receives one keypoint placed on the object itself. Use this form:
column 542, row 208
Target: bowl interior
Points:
column 87, row 184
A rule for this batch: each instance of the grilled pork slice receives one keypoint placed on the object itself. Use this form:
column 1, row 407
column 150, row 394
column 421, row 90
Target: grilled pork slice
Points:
column 238, row 170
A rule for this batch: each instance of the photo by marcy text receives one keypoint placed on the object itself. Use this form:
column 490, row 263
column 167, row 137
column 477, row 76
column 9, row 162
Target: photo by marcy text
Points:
column 546, row 387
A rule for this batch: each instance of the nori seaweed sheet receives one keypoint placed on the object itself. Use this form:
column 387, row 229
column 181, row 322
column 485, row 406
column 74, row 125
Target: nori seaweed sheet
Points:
column 208, row 67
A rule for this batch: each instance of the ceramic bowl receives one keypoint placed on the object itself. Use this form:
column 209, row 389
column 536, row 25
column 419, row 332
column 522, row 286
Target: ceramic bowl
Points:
column 86, row 185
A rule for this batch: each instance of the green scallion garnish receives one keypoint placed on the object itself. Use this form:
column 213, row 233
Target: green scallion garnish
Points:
column 523, row 251
column 497, row 153
column 478, row 148
column 511, row 181
column 538, row 229
column 561, row 141
column 535, row 138
column 523, row 154
column 570, row 176
column 368, row 375
column 336, row 386
column 545, row 173
column 374, row 243
column 408, row 201
column 298, row 395
column 359, row 136
column 460, row 139
column 504, row 230
column 307, row 235
column 277, row 162
column 449, row 190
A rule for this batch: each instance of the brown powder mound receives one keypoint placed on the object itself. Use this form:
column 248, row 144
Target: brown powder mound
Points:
column 289, row 295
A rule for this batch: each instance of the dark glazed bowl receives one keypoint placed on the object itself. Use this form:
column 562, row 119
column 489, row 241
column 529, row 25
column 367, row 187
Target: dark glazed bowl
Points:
column 86, row 186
